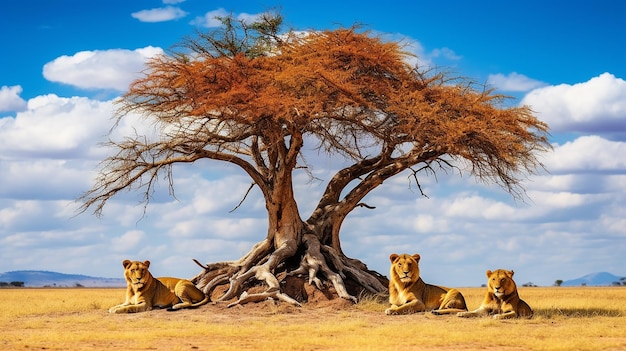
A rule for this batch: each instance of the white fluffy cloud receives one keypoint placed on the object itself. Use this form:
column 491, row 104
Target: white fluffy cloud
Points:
column 10, row 99
column 513, row 82
column 55, row 127
column 419, row 56
column 595, row 106
column 248, row 17
column 128, row 241
column 446, row 53
column 100, row 69
column 209, row 20
column 161, row 14
column 588, row 154
column 44, row 179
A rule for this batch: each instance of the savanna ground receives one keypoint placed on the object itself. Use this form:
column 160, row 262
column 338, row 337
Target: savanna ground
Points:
column 583, row 318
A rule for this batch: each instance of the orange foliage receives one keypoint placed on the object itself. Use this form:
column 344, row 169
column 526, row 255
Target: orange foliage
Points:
column 355, row 93
column 340, row 75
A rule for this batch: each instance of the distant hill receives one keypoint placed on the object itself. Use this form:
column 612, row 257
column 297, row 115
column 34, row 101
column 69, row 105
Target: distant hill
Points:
column 54, row 279
column 593, row 279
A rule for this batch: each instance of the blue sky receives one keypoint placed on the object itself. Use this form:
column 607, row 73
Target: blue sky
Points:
column 64, row 62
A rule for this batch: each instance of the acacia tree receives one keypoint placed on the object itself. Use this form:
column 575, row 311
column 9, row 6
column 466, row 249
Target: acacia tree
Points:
column 251, row 95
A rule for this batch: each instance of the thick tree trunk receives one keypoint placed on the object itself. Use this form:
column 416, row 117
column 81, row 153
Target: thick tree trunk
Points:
column 293, row 247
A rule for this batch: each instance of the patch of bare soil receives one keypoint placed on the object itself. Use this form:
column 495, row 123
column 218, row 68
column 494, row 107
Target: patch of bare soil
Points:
column 316, row 303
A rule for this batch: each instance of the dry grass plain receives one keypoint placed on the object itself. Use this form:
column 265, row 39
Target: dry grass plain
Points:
column 584, row 318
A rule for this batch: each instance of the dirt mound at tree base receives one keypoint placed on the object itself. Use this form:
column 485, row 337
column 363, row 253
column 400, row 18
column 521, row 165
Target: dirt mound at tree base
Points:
column 298, row 288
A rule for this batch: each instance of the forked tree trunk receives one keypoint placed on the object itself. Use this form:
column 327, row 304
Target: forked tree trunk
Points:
column 291, row 248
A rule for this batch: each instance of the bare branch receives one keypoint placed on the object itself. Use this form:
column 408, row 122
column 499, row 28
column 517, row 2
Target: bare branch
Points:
column 243, row 199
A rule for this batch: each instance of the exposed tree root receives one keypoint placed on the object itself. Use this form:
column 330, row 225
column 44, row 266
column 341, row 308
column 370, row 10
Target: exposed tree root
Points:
column 356, row 269
column 245, row 298
column 320, row 263
column 314, row 262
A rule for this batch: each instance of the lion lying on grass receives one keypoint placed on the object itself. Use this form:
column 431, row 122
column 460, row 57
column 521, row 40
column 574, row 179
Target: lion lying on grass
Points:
column 409, row 294
column 144, row 292
column 502, row 300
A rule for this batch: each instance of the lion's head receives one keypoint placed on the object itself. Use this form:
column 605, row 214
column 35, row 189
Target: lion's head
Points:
column 136, row 273
column 500, row 282
column 405, row 267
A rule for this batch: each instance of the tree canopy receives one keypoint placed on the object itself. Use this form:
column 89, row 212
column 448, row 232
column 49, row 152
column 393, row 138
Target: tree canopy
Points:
column 251, row 95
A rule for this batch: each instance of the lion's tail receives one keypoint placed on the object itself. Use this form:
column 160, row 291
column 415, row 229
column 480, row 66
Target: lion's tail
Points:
column 203, row 302
column 453, row 302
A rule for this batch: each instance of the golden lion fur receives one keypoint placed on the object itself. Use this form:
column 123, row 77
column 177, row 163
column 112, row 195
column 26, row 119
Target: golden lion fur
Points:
column 502, row 299
column 144, row 292
column 409, row 294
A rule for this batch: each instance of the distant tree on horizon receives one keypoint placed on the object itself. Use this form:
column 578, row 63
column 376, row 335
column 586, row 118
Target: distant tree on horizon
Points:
column 558, row 282
column 256, row 97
